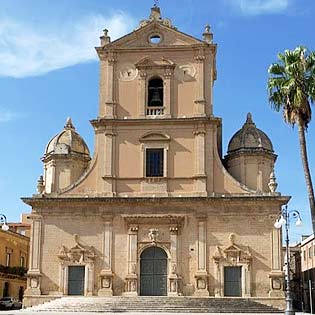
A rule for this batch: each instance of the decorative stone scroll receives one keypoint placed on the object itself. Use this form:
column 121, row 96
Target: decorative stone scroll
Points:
column 232, row 255
column 79, row 255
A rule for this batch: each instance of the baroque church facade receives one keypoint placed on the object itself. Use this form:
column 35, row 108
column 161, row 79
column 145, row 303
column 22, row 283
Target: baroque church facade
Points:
column 157, row 210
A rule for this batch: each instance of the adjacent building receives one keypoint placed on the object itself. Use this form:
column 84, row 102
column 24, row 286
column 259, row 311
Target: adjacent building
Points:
column 14, row 253
column 157, row 209
column 308, row 272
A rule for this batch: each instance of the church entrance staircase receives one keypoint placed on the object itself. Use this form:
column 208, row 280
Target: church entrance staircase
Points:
column 152, row 304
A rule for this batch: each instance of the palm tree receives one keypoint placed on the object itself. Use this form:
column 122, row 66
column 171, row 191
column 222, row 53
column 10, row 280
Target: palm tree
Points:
column 291, row 88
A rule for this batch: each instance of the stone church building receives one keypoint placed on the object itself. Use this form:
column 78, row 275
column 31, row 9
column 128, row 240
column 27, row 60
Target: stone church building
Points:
column 157, row 210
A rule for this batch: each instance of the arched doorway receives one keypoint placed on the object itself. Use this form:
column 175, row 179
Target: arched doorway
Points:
column 153, row 272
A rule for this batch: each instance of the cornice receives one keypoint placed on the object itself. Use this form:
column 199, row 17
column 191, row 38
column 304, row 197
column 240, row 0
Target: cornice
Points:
column 222, row 198
column 143, row 121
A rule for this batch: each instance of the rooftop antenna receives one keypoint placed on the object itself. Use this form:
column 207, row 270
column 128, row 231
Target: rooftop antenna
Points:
column 156, row 3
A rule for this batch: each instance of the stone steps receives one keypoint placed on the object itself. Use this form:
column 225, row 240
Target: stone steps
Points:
column 153, row 305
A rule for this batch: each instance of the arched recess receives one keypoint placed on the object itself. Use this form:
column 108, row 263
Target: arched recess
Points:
column 153, row 271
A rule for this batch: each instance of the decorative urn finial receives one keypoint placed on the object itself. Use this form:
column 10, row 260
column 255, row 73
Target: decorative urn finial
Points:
column 273, row 182
column 40, row 185
column 105, row 39
column 207, row 35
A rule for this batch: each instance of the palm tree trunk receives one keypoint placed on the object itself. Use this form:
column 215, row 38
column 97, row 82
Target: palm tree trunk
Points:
column 307, row 173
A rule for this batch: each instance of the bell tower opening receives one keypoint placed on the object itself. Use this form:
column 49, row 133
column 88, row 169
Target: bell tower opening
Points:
column 155, row 97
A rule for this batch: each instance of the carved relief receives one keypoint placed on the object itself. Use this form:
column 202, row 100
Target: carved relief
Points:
column 153, row 235
column 185, row 72
column 77, row 254
column 128, row 72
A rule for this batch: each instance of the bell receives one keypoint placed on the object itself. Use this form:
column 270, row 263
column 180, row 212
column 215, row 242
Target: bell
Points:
column 155, row 99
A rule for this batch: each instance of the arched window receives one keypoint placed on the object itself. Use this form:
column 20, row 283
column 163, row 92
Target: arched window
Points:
column 155, row 93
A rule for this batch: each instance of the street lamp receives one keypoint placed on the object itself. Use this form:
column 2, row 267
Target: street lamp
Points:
column 3, row 221
column 284, row 220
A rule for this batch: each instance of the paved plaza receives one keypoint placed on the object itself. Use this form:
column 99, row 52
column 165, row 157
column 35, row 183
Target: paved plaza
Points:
column 23, row 312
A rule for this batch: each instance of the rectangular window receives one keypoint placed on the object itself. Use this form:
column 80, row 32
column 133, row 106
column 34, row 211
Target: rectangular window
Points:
column 22, row 261
column 154, row 162
column 310, row 252
column 304, row 255
column 8, row 259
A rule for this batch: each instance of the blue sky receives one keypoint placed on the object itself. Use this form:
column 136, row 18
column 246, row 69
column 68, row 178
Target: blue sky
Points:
column 49, row 71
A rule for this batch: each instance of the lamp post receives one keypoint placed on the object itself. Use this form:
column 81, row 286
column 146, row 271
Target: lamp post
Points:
column 3, row 221
column 284, row 220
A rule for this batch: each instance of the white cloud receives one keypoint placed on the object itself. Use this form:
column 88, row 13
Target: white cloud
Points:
column 29, row 51
column 256, row 7
column 7, row 115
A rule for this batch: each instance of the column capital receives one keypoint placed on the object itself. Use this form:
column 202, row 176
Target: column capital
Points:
column 133, row 229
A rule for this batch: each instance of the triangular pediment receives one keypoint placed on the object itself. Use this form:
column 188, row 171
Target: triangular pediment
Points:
column 141, row 37
column 232, row 248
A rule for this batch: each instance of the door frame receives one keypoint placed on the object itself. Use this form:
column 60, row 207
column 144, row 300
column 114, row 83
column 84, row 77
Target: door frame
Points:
column 168, row 256
column 245, row 278
column 84, row 281
column 241, row 280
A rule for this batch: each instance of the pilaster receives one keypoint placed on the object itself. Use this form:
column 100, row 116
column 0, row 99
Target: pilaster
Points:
column 142, row 93
column 200, row 162
column 173, row 275
column 34, row 272
column 202, row 274
column 106, row 275
column 200, row 101
column 131, row 280
column 276, row 275
column 168, row 84
column 110, row 105
column 109, row 176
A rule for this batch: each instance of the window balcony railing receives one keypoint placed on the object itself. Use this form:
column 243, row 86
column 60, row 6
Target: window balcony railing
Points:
column 20, row 271
column 155, row 111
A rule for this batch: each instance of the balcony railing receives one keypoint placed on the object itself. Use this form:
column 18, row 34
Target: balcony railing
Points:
column 155, row 111
column 20, row 271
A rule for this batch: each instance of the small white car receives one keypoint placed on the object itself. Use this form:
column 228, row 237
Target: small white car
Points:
column 10, row 303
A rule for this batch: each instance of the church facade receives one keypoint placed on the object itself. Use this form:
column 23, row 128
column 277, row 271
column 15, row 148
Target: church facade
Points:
column 157, row 210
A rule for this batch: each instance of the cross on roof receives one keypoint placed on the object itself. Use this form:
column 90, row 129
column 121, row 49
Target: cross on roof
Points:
column 156, row 3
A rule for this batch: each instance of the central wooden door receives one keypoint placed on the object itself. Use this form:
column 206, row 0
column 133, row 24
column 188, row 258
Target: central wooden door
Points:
column 153, row 272
column 76, row 277
column 233, row 281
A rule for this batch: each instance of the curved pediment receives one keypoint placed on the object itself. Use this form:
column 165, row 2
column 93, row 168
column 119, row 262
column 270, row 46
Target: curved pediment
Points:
column 154, row 136
column 149, row 63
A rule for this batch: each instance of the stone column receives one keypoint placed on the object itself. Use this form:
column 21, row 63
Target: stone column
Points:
column 109, row 176
column 34, row 272
column 200, row 163
column 200, row 95
column 173, row 274
column 142, row 94
column 110, row 106
column 168, row 83
column 202, row 275
column 106, row 275
column 131, row 280
column 276, row 275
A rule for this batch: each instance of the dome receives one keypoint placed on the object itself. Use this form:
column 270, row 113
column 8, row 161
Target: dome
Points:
column 250, row 138
column 68, row 141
